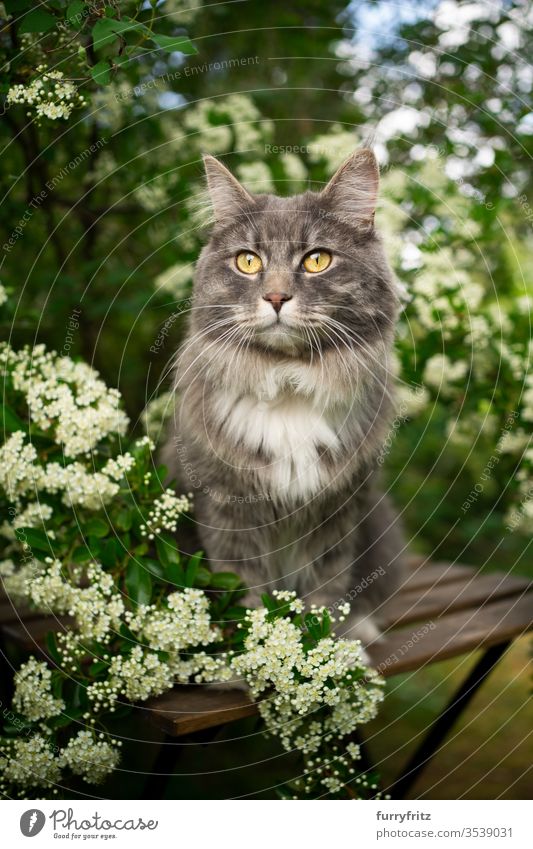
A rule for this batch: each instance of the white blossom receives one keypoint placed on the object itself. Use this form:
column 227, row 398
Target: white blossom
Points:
column 93, row 759
column 33, row 695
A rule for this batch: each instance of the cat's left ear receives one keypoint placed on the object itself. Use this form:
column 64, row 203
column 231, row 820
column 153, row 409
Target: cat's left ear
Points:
column 353, row 189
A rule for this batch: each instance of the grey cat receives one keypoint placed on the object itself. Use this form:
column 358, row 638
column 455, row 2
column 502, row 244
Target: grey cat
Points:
column 284, row 394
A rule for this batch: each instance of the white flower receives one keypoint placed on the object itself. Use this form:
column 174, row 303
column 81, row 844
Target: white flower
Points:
column 256, row 177
column 301, row 683
column 294, row 168
column 165, row 513
column 136, row 677
column 67, row 397
column 48, row 589
column 185, row 623
column 50, row 95
column 34, row 515
column 33, row 696
column 439, row 372
column 176, row 279
column 333, row 147
column 93, row 759
column 30, row 763
column 98, row 608
column 18, row 472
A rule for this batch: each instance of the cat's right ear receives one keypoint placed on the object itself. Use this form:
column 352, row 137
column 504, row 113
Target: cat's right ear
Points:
column 227, row 195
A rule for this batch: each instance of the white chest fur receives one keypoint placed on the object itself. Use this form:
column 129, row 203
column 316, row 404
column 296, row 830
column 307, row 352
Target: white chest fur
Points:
column 290, row 432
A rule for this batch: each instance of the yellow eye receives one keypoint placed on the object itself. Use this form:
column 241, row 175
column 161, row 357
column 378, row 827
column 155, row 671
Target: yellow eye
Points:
column 248, row 262
column 316, row 261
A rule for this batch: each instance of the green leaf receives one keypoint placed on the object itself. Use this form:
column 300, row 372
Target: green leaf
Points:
column 192, row 568
column 123, row 520
column 81, row 555
column 79, row 696
column 9, row 421
column 203, row 577
column 17, row 5
column 60, row 721
column 167, row 550
column 107, row 30
column 110, row 553
column 97, row 667
column 101, row 73
column 175, row 575
column 235, row 614
column 326, row 624
column 174, row 43
column 96, row 528
column 53, row 651
column 138, row 582
column 37, row 21
column 225, row 581
column 313, row 625
column 155, row 568
column 75, row 12
column 34, row 538
column 268, row 602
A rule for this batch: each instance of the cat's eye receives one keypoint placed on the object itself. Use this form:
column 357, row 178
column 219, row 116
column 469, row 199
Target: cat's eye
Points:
column 316, row 261
column 248, row 262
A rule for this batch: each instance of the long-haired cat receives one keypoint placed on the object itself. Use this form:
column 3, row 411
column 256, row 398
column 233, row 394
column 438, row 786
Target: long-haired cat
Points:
column 284, row 394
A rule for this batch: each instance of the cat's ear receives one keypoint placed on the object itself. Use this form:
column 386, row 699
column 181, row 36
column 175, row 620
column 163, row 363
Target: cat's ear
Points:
column 226, row 193
column 353, row 189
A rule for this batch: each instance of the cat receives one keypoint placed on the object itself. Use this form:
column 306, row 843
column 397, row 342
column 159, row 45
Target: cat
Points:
column 284, row 395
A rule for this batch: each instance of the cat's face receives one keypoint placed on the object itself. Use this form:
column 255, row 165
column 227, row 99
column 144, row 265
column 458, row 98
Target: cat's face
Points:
column 296, row 275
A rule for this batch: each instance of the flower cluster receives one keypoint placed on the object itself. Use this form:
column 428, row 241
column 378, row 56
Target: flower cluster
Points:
column 312, row 692
column 49, row 95
column 33, row 695
column 165, row 513
column 66, row 403
column 183, row 622
column 93, row 759
column 29, row 763
column 67, row 398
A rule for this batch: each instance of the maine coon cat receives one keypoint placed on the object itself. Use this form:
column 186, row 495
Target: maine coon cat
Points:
column 284, row 395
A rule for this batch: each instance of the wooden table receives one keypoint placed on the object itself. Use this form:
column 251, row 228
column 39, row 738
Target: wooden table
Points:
column 443, row 610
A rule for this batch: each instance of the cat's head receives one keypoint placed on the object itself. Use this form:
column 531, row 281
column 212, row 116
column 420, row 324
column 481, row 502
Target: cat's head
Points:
column 299, row 274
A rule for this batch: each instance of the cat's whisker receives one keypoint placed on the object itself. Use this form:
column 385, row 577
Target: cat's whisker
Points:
column 366, row 367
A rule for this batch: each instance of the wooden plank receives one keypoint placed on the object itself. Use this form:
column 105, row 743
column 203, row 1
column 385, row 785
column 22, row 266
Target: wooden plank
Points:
column 405, row 649
column 194, row 708
column 412, row 605
column 430, row 573
column 185, row 709
column 9, row 612
column 30, row 635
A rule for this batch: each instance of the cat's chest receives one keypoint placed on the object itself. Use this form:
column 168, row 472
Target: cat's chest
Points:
column 292, row 440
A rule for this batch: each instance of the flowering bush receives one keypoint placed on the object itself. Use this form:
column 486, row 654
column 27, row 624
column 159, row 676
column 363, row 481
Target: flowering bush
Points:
column 92, row 535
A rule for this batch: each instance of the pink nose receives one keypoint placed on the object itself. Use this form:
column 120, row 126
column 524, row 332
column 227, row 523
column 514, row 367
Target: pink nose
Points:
column 277, row 299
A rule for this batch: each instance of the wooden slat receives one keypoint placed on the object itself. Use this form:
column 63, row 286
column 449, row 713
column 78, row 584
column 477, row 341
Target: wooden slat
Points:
column 194, row 708
column 405, row 649
column 31, row 635
column 457, row 611
column 412, row 605
column 11, row 613
column 185, row 710
column 431, row 573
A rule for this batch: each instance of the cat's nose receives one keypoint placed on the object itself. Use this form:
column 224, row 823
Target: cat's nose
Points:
column 277, row 299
